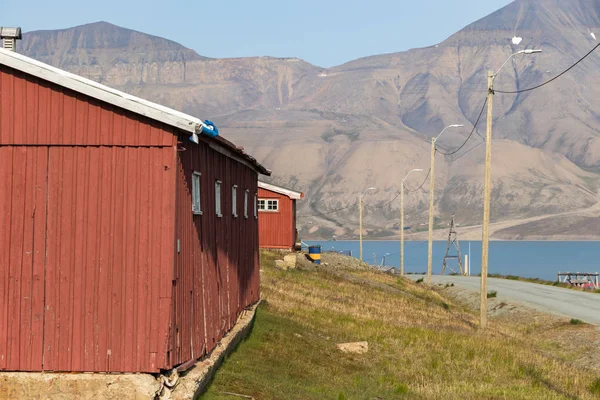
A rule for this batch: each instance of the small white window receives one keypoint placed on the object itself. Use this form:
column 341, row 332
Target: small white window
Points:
column 272, row 205
column 234, row 201
column 218, row 198
column 262, row 205
column 255, row 205
column 268, row 205
column 246, row 203
column 196, row 209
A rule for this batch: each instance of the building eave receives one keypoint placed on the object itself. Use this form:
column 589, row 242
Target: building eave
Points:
column 284, row 191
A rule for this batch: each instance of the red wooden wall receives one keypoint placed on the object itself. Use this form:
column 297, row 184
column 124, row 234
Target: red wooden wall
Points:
column 277, row 230
column 93, row 200
column 217, row 266
column 86, row 232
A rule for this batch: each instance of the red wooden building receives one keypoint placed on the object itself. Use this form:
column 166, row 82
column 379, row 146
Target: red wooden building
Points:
column 277, row 216
column 124, row 246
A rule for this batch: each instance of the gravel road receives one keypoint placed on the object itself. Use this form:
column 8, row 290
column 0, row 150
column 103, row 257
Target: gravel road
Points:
column 571, row 303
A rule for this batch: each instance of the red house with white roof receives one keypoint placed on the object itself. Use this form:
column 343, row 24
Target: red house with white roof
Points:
column 277, row 216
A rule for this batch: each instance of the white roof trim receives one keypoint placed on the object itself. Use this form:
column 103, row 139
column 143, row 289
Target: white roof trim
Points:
column 101, row 92
column 289, row 193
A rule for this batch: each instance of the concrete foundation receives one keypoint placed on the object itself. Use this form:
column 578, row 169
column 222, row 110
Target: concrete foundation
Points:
column 60, row 386
column 70, row 386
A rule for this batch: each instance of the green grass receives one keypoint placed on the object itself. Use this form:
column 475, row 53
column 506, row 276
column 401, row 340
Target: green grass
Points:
column 492, row 294
column 421, row 346
column 575, row 321
column 281, row 360
column 595, row 387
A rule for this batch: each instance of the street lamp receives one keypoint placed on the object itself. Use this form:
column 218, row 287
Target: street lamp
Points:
column 360, row 207
column 431, row 187
column 402, row 219
column 527, row 51
column 487, row 187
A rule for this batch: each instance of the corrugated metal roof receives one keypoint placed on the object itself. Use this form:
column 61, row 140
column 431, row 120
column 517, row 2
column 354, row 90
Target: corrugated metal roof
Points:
column 117, row 98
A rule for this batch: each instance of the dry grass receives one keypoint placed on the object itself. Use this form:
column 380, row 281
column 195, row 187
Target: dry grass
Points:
column 421, row 346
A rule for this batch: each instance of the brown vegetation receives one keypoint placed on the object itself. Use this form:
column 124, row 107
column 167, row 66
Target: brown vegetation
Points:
column 421, row 345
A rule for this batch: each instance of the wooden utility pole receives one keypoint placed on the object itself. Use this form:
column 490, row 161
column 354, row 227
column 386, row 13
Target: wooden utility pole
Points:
column 360, row 225
column 402, row 228
column 487, row 183
column 360, row 213
column 431, row 184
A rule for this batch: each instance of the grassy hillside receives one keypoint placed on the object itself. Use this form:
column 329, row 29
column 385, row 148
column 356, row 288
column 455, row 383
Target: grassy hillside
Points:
column 421, row 346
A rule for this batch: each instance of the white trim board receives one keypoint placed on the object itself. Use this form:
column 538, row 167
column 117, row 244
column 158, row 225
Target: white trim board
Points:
column 286, row 192
column 101, row 92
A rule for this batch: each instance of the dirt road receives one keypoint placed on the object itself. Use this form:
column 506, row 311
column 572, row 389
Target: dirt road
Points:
column 571, row 303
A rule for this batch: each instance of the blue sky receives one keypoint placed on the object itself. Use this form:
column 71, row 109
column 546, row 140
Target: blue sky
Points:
column 325, row 32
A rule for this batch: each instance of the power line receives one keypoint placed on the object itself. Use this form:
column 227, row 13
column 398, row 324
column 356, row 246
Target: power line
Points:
column 553, row 79
column 389, row 202
column 468, row 151
column 408, row 190
column 379, row 206
column 468, row 137
column 422, row 184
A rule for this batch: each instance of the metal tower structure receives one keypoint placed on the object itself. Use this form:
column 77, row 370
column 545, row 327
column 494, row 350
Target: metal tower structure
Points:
column 453, row 241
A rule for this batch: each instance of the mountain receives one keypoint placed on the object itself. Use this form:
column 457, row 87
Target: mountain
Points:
column 333, row 132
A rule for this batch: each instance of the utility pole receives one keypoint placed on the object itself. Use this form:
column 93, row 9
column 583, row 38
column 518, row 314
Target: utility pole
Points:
column 431, row 188
column 360, row 226
column 402, row 228
column 360, row 217
column 402, row 220
column 487, row 181
column 431, row 184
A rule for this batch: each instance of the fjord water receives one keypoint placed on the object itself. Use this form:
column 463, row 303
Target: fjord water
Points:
column 522, row 258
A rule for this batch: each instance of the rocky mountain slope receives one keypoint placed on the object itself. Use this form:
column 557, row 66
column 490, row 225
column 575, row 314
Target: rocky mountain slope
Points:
column 333, row 132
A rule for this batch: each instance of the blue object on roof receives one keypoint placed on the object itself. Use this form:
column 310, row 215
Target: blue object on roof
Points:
column 210, row 129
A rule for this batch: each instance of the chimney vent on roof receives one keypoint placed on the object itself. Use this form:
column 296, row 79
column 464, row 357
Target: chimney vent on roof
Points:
column 9, row 37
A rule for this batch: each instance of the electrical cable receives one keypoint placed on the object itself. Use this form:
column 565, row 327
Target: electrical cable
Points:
column 379, row 206
column 389, row 202
column 471, row 134
column 408, row 190
column 422, row 184
column 553, row 79
column 468, row 137
column 468, row 151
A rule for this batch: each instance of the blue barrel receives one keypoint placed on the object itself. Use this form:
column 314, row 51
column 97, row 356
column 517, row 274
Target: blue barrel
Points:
column 314, row 252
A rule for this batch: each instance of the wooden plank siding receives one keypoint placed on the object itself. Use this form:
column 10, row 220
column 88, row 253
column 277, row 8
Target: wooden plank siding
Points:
column 87, row 212
column 78, row 274
column 217, row 266
column 277, row 230
column 35, row 112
